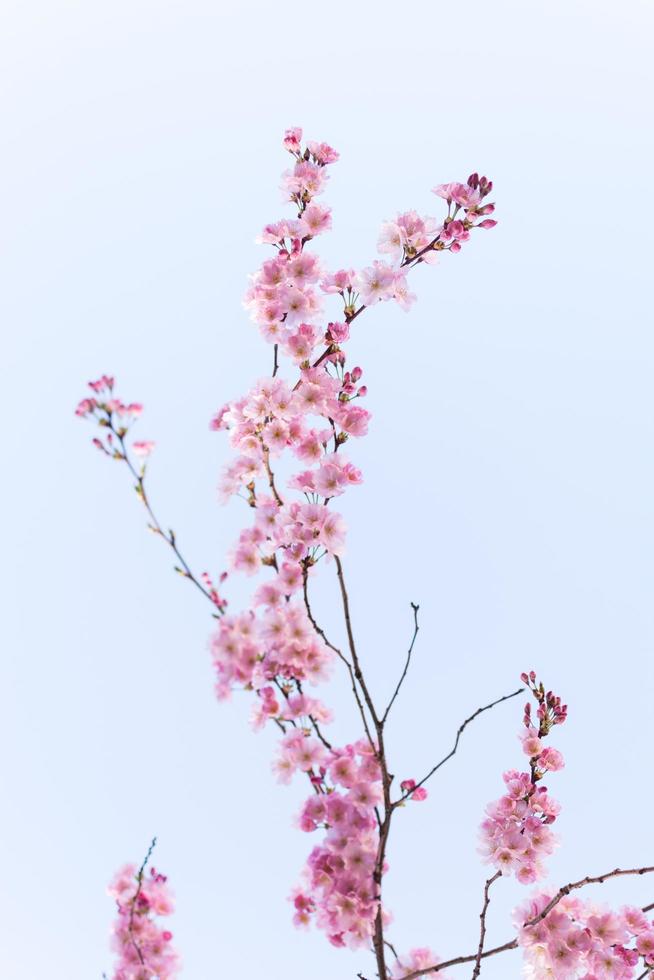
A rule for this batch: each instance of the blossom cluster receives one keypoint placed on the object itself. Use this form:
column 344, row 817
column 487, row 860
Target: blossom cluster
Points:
column 274, row 648
column 339, row 891
column 252, row 652
column 580, row 939
column 516, row 835
column 143, row 948
column 114, row 418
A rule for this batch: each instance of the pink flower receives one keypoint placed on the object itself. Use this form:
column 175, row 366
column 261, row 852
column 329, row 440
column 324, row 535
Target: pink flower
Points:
column 143, row 449
column 551, row 759
column 408, row 786
column 292, row 139
column 375, row 283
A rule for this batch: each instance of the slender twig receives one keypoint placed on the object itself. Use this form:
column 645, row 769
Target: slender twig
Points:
column 460, row 960
column 276, row 361
column 482, row 928
column 648, row 908
column 350, row 638
column 459, row 733
column 416, row 627
column 338, row 652
column 155, row 526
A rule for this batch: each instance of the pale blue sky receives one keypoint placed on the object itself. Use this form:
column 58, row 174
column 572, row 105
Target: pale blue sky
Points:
column 508, row 470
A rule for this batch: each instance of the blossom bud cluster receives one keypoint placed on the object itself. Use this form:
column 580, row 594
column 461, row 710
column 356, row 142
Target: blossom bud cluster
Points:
column 516, row 836
column 114, row 418
column 580, row 939
column 143, row 948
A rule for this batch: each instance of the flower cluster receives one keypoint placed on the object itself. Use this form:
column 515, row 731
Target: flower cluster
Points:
column 143, row 948
column 114, row 418
column 579, row 939
column 339, row 891
column 281, row 645
column 464, row 202
column 515, row 836
column 274, row 648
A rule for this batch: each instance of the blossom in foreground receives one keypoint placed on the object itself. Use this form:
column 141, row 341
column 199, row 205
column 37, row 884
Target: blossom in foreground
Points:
column 579, row 939
column 144, row 948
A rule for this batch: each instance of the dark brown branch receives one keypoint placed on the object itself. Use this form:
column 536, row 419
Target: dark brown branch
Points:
column 338, row 652
column 461, row 960
column 482, row 928
column 353, row 651
column 459, row 733
column 416, row 627
column 562, row 892
column 598, row 880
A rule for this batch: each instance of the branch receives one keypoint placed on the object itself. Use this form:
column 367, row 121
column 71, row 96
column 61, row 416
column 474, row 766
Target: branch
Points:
column 459, row 733
column 350, row 638
column 599, row 880
column 155, row 526
column 139, row 878
column 460, row 960
column 513, row 944
column 482, row 917
column 416, row 627
column 339, row 653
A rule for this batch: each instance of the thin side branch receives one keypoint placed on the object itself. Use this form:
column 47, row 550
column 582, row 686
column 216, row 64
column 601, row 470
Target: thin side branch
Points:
column 461, row 960
column 459, row 733
column 338, row 652
column 482, row 918
column 416, row 627
column 168, row 537
column 353, row 651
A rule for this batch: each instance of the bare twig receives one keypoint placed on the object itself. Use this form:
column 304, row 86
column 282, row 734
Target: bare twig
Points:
column 459, row 733
column 338, row 652
column 353, row 651
column 416, row 627
column 482, row 929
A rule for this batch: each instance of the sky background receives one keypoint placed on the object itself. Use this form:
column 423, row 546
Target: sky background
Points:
column 508, row 471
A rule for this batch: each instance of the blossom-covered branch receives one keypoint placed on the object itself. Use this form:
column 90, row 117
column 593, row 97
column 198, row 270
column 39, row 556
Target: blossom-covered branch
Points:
column 289, row 433
column 143, row 948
